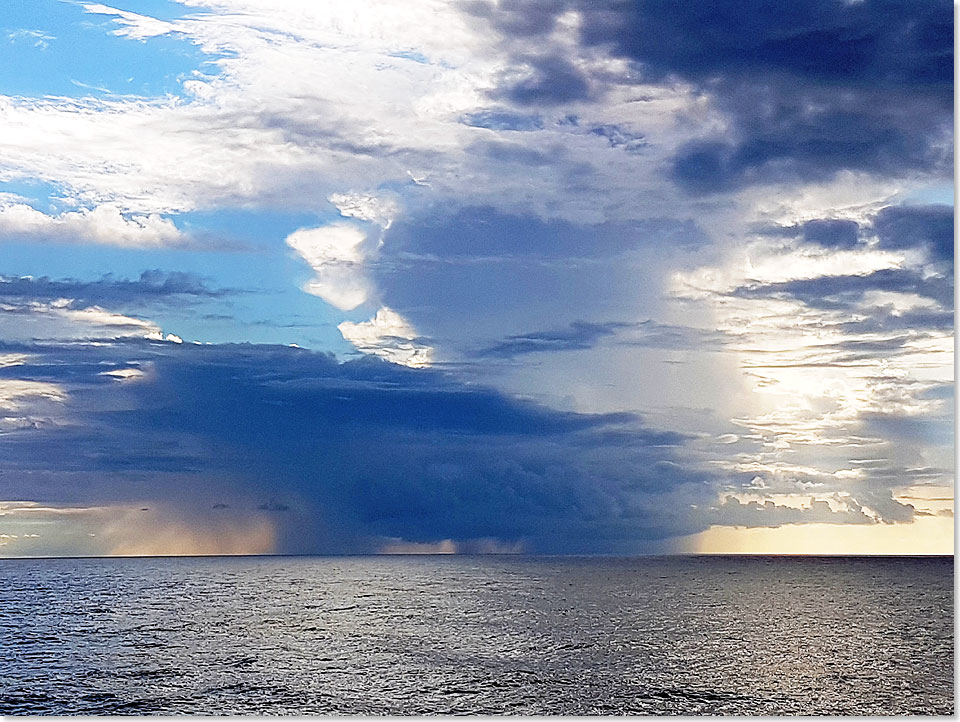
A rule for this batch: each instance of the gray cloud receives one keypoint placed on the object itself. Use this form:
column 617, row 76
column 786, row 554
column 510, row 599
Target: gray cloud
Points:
column 356, row 452
column 582, row 335
column 929, row 227
column 545, row 80
column 733, row 512
column 152, row 286
column 824, row 87
column 840, row 292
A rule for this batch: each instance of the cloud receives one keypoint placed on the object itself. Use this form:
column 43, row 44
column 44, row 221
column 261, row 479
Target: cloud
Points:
column 152, row 286
column 620, row 137
column 132, row 25
column 583, row 335
column 929, row 227
column 831, row 232
column 543, row 81
column 379, row 208
column 499, row 170
column 62, row 319
column 37, row 38
column 843, row 331
column 842, row 291
column 291, row 140
column 827, row 87
column 362, row 453
column 40, row 308
column 501, row 119
column 105, row 224
column 578, row 336
column 733, row 512
column 26, row 404
column 484, row 232
column 389, row 336
column 336, row 253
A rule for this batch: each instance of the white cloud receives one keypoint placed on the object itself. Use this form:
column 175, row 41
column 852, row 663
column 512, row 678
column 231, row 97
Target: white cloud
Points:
column 26, row 404
column 825, row 384
column 377, row 98
column 14, row 391
column 104, row 224
column 125, row 374
column 132, row 25
column 336, row 253
column 37, row 38
column 388, row 335
column 59, row 320
column 376, row 208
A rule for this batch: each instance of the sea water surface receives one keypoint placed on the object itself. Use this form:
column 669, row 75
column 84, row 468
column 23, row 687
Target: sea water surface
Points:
column 486, row 635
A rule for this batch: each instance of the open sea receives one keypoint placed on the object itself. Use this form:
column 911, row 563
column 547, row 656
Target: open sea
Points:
column 485, row 635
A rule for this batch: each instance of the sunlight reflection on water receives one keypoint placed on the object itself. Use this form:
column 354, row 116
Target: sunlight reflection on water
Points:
column 418, row 635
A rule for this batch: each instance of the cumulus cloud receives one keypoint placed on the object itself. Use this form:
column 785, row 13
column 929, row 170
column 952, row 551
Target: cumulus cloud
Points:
column 336, row 253
column 389, row 336
column 376, row 208
column 361, row 453
column 104, row 223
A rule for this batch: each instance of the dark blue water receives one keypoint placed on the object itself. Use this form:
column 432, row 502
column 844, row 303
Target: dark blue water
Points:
column 420, row 635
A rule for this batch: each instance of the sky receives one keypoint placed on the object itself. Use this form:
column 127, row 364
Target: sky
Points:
column 468, row 276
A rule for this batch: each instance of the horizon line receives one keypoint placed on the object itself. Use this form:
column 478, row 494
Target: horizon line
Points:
column 765, row 555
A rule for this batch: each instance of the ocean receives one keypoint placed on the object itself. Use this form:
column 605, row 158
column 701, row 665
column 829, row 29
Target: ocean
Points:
column 484, row 634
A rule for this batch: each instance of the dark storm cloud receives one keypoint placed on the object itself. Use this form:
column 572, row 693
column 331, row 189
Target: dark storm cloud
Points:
column 543, row 81
column 813, row 87
column 831, row 233
column 357, row 451
column 929, row 227
column 790, row 144
column 841, row 292
column 153, row 285
column 578, row 336
column 810, row 88
column 885, row 320
column 581, row 335
column 479, row 274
